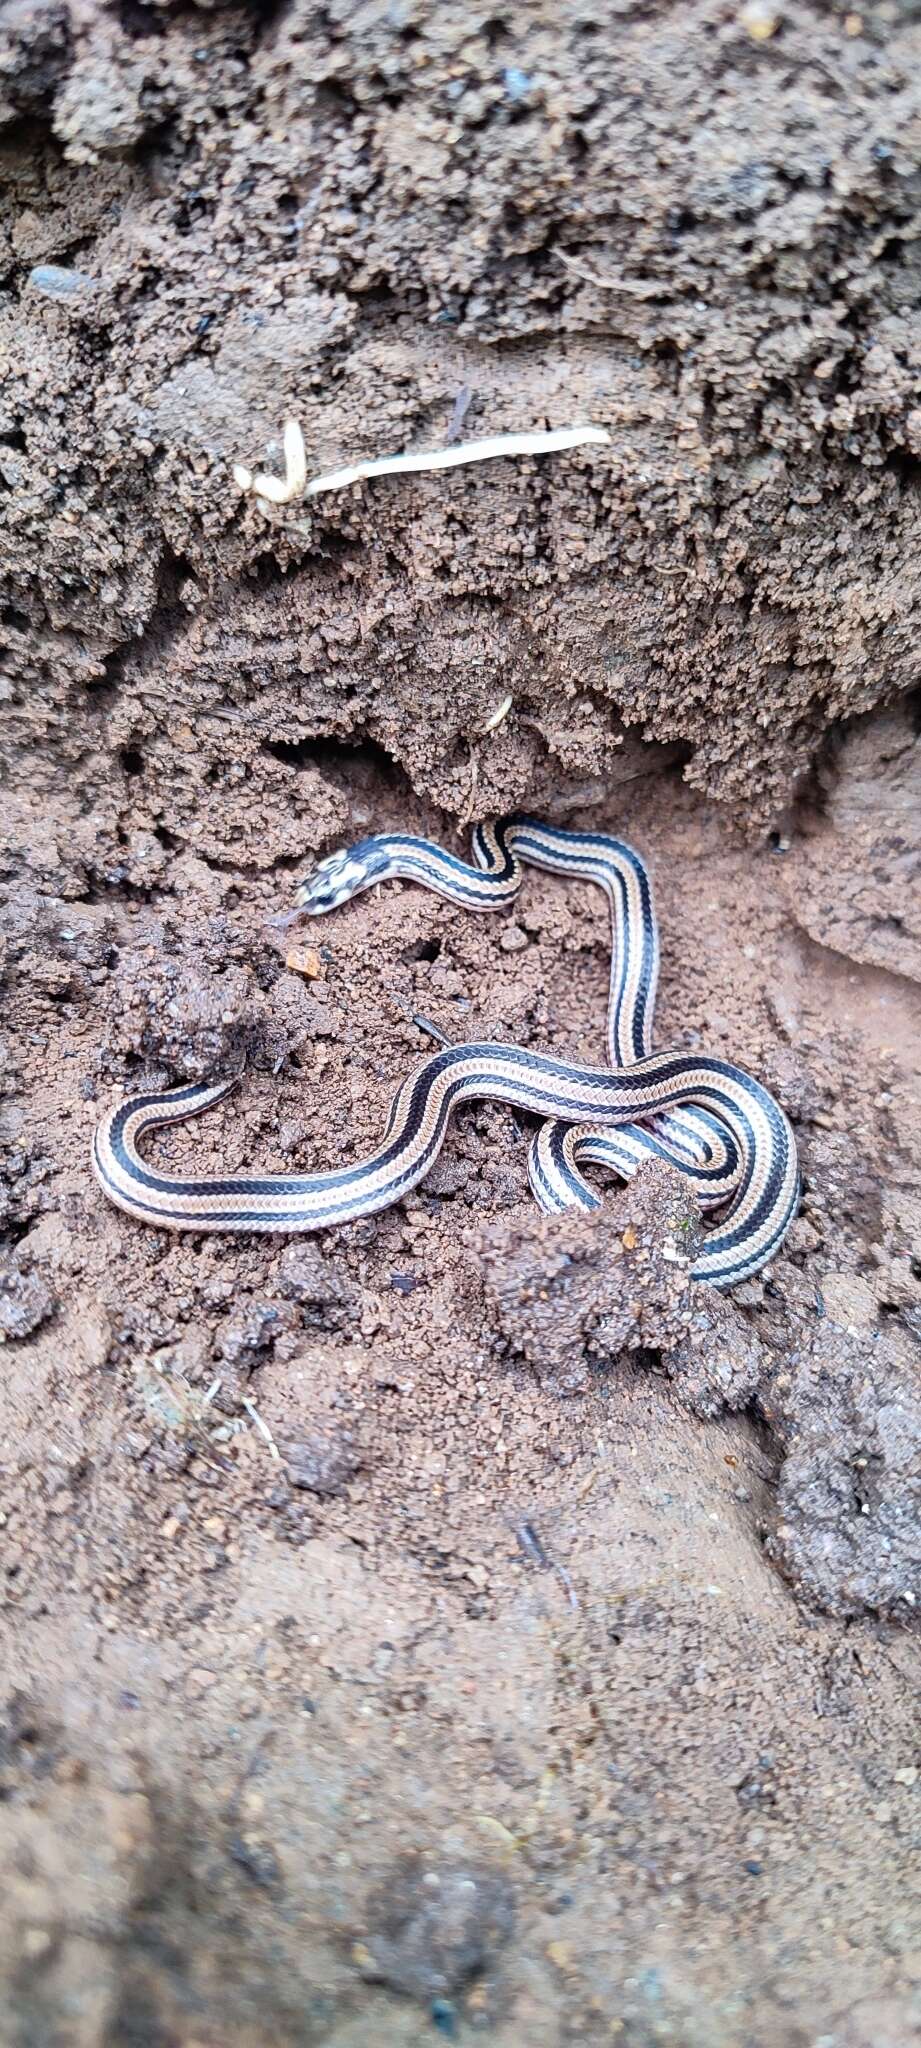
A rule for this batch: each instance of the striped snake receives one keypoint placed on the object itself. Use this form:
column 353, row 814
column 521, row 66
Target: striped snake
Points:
column 715, row 1123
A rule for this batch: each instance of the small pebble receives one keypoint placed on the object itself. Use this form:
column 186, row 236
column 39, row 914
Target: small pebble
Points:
column 25, row 1303
column 516, row 82
column 324, row 1461
column 759, row 20
column 433, row 1928
column 36, row 1944
column 305, row 960
column 257, row 1859
column 56, row 283
column 199, row 1679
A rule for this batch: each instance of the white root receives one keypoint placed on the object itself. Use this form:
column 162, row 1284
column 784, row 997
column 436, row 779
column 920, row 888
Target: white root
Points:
column 279, row 490
column 496, row 717
column 294, row 484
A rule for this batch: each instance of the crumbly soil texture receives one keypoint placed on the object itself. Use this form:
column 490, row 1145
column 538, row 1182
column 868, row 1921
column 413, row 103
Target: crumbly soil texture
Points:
column 458, row 1624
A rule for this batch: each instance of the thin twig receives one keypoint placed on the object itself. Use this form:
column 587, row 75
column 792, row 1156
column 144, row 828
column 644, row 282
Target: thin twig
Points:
column 263, row 1428
column 529, row 1541
column 634, row 287
column 459, row 414
column 566, row 1583
column 470, row 805
column 434, row 1030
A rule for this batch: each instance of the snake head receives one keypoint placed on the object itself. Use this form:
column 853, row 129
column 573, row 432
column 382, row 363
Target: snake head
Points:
column 341, row 875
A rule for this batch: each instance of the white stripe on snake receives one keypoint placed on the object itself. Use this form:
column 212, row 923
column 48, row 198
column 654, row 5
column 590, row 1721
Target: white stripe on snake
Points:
column 713, row 1121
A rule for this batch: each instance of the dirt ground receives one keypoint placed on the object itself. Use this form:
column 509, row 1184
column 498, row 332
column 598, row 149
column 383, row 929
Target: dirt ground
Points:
column 457, row 1624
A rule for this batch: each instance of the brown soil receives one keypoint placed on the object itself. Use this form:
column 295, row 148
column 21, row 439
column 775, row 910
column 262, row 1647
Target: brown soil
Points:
column 558, row 1680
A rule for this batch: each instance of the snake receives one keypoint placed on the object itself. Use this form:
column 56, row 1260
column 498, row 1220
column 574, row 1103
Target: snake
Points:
column 715, row 1123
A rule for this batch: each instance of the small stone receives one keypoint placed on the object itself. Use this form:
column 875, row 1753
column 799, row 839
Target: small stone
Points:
column 323, row 1462
column 250, row 1332
column 495, row 1830
column 907, row 1776
column 513, row 939
column 849, row 1301
column 25, row 1303
column 305, row 960
column 257, row 1859
column 54, row 282
column 448, row 1176
column 326, row 1293
column 199, row 1678
column 71, row 1770
column 759, row 20
column 434, row 1927
column 36, row 1943
column 516, row 82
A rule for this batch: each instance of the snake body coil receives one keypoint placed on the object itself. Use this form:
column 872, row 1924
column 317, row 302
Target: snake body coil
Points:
column 716, row 1124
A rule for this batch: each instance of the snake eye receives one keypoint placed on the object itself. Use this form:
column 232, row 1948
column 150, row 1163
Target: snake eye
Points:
column 320, row 891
